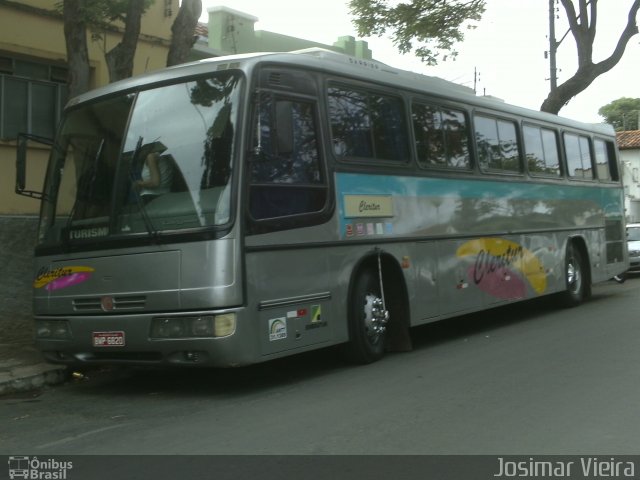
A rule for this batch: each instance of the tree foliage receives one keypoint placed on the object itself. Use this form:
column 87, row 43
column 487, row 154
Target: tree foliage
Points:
column 433, row 27
column 582, row 25
column 430, row 27
column 622, row 113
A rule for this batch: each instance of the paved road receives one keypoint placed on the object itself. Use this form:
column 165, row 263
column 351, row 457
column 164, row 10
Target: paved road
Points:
column 526, row 379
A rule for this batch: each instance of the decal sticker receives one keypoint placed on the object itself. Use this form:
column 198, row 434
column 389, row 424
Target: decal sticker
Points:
column 301, row 312
column 277, row 329
column 316, row 318
column 316, row 313
column 85, row 233
column 503, row 268
column 349, row 230
column 358, row 206
column 369, row 228
column 360, row 228
column 62, row 277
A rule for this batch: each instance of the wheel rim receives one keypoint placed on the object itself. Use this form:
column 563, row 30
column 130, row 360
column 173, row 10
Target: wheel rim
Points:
column 375, row 318
column 574, row 276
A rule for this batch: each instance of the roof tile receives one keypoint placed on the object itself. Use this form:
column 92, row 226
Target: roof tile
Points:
column 628, row 139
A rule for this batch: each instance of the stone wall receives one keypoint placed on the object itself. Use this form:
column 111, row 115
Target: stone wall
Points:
column 17, row 241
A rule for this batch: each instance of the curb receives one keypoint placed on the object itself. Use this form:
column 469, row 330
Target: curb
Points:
column 31, row 377
column 23, row 368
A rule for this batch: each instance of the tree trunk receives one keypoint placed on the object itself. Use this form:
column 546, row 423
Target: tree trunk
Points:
column 183, row 31
column 75, row 35
column 120, row 58
column 559, row 97
column 583, row 29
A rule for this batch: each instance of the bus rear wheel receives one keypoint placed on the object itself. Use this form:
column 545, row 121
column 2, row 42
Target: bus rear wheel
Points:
column 575, row 278
column 368, row 320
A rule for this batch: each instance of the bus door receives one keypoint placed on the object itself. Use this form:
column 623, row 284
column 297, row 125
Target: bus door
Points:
column 287, row 206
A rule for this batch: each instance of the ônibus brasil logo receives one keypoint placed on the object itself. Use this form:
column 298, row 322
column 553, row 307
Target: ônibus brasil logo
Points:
column 38, row 469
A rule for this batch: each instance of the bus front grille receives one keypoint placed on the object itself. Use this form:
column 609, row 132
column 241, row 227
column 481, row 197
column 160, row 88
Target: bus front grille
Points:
column 118, row 303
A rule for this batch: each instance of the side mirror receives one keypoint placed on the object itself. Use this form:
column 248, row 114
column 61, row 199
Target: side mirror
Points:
column 21, row 163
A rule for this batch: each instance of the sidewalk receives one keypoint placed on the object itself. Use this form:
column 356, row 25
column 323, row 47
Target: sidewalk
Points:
column 23, row 368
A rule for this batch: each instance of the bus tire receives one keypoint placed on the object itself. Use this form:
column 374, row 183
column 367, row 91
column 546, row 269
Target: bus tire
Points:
column 575, row 277
column 367, row 320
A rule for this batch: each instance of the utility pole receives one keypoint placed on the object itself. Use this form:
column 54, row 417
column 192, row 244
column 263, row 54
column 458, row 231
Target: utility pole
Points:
column 553, row 46
column 476, row 78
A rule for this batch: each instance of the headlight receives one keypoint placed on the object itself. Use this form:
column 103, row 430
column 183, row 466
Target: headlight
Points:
column 53, row 329
column 194, row 327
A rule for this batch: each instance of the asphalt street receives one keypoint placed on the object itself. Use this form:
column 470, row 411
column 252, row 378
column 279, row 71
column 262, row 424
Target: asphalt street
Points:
column 523, row 379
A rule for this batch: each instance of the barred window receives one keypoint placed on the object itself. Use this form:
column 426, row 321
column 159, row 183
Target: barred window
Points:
column 32, row 96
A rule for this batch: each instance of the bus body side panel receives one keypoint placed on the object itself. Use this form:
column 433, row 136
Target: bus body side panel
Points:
column 614, row 242
column 290, row 290
column 494, row 241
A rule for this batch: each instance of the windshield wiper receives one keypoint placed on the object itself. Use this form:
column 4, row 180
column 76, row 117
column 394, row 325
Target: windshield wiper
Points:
column 85, row 188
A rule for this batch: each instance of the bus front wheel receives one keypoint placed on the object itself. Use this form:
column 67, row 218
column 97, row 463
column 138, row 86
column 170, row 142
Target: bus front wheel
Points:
column 368, row 320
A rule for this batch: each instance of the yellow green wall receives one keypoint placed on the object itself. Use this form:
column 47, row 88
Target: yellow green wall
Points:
column 32, row 28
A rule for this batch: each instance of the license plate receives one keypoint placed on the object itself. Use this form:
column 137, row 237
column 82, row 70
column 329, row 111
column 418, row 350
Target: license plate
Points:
column 108, row 339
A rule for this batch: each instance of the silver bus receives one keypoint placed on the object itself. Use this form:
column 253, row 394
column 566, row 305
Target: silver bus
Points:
column 245, row 208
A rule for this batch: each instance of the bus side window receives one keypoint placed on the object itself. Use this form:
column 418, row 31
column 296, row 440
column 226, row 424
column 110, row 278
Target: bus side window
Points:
column 606, row 165
column 367, row 125
column 541, row 151
column 285, row 169
column 578, row 156
column 497, row 144
column 441, row 137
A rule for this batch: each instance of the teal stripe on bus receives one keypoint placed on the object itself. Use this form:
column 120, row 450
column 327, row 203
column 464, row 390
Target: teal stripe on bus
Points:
column 606, row 198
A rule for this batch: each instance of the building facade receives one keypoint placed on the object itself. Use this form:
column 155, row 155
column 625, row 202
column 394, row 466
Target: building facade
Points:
column 230, row 31
column 33, row 76
column 629, row 146
column 33, row 91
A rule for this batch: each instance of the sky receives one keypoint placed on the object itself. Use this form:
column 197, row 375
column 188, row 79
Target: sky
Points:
column 506, row 50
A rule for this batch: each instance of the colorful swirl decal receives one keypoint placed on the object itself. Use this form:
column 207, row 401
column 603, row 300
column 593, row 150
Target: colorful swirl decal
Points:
column 503, row 268
column 62, row 277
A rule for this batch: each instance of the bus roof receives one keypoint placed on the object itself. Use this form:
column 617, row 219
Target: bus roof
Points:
column 338, row 63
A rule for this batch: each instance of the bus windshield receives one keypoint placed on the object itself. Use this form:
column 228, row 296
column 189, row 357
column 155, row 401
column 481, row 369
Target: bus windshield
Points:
column 148, row 162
